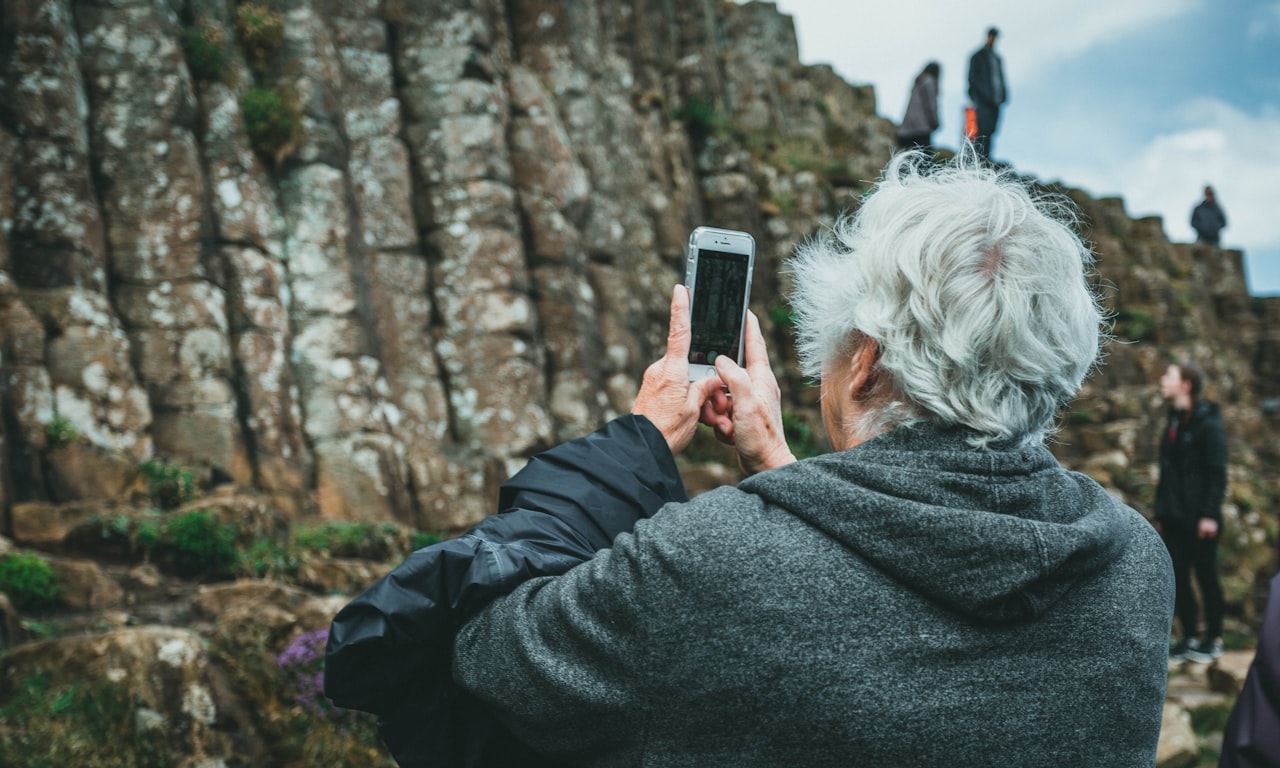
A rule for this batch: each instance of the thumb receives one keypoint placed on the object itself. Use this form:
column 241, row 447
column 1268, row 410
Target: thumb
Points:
column 733, row 375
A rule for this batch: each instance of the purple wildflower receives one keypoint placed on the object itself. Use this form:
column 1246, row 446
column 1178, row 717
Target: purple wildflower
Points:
column 302, row 665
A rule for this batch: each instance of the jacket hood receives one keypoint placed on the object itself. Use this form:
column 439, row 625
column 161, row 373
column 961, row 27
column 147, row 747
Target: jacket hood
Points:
column 997, row 533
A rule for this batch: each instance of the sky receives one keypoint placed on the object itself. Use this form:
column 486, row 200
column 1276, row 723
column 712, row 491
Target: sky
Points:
column 1148, row 100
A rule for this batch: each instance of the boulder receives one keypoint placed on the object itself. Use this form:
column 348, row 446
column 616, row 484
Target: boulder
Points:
column 1227, row 673
column 1178, row 747
column 49, row 523
column 85, row 586
column 150, row 687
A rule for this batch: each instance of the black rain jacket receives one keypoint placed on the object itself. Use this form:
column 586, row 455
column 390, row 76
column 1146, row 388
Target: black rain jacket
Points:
column 1193, row 469
column 390, row 648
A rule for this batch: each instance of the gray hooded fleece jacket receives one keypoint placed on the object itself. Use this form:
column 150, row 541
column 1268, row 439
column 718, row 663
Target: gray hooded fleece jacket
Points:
column 912, row 601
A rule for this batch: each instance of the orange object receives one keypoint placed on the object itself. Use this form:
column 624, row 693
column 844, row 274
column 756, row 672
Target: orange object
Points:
column 970, row 123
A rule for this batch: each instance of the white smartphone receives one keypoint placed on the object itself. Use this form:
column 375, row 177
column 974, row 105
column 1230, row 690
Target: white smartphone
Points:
column 718, row 274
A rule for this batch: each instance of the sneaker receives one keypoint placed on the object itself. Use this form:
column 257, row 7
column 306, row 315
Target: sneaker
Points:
column 1178, row 652
column 1204, row 652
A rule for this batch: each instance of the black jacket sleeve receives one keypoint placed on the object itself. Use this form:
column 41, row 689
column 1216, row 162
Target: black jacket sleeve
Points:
column 389, row 648
column 1211, row 459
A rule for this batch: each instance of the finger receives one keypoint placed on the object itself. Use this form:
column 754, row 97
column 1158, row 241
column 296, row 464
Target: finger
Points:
column 678, row 334
column 721, row 422
column 706, row 389
column 720, row 400
column 734, row 377
column 756, row 352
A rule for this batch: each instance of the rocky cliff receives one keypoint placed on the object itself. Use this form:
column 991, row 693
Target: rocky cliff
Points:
column 356, row 261
column 445, row 242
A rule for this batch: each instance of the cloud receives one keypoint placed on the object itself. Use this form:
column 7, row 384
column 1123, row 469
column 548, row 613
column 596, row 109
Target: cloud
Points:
column 1103, row 96
column 1236, row 152
column 888, row 43
column 1209, row 142
column 1264, row 23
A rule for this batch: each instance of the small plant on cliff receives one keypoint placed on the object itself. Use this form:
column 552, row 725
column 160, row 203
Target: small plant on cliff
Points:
column 273, row 122
column 60, row 432
column 700, row 119
column 206, row 49
column 349, row 539
column 1135, row 325
column 168, row 485
column 29, row 580
column 323, row 733
column 421, row 539
column 302, row 665
column 261, row 33
column 202, row 544
column 268, row 558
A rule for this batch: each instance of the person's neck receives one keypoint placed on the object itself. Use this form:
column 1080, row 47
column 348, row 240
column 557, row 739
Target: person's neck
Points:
column 1182, row 403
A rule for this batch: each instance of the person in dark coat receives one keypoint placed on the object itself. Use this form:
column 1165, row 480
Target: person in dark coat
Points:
column 937, row 591
column 921, row 119
column 1188, row 510
column 1252, row 736
column 1207, row 219
column 389, row 648
column 988, row 91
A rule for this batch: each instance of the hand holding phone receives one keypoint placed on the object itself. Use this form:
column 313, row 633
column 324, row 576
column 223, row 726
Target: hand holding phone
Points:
column 668, row 397
column 718, row 275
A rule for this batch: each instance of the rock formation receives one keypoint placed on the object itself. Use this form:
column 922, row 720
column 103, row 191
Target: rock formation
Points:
column 357, row 261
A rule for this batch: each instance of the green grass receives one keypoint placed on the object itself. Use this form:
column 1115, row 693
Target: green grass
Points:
column 273, row 122
column 206, row 52
column 202, row 544
column 168, row 485
column 29, row 580
column 60, row 432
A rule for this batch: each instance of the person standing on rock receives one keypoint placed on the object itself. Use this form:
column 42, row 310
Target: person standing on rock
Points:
column 1207, row 219
column 921, row 119
column 988, row 91
column 1188, row 510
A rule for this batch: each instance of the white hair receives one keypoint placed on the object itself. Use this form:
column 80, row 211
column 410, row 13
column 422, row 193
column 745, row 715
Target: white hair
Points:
column 975, row 289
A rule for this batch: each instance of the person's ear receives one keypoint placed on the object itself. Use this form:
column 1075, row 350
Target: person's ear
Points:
column 862, row 370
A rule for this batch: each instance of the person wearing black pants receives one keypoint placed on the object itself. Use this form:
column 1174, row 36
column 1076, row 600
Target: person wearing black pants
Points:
column 987, row 91
column 1193, row 482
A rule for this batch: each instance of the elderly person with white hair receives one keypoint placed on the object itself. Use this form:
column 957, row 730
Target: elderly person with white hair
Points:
column 938, row 591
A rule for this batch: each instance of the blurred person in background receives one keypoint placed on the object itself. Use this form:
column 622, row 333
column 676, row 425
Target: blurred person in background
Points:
column 1208, row 219
column 1189, row 494
column 988, row 91
column 921, row 119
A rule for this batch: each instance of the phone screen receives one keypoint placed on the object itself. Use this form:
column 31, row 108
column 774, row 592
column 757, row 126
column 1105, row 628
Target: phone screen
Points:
column 719, row 289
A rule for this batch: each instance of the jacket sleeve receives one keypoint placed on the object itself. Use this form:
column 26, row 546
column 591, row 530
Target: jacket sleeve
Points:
column 576, row 665
column 570, row 664
column 388, row 649
column 1212, row 450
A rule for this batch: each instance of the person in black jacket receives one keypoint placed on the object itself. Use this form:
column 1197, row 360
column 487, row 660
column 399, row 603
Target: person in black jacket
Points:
column 987, row 91
column 1188, row 514
column 1207, row 219
column 388, row 649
